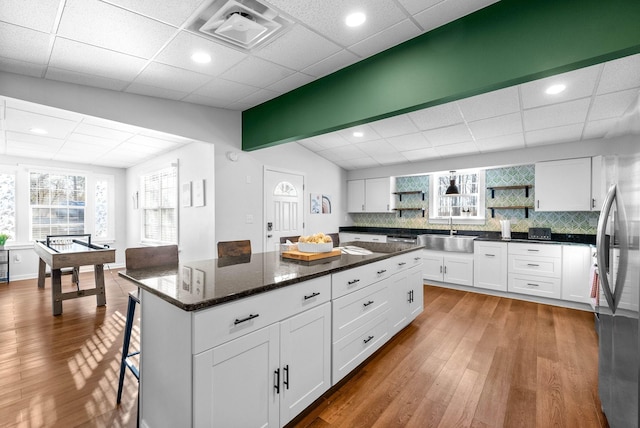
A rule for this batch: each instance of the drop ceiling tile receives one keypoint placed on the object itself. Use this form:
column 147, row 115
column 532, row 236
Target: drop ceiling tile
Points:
column 343, row 153
column 179, row 50
column 503, row 142
column 87, row 59
column 466, row 148
column 20, row 152
column 377, row 148
column 358, row 163
column 491, row 104
column 21, row 67
column 245, row 72
column 415, row 6
column 394, row 126
column 292, row 82
column 100, row 24
column 331, row 64
column 206, row 101
column 168, row 77
column 447, row 11
column 496, row 126
column 620, row 74
column 437, row 117
column 169, row 11
column 259, row 97
column 560, row 134
column 421, row 154
column 128, row 146
column 225, row 90
column 88, row 141
column 22, row 44
column 580, row 83
column 101, row 131
column 368, row 134
column 84, row 79
column 448, row 135
column 328, row 16
column 409, row 142
column 34, row 142
column 324, row 142
column 40, row 109
column 612, row 105
column 152, row 91
column 386, row 39
column 298, row 48
column 390, row 158
column 22, row 13
column 598, row 128
column 568, row 113
column 111, row 124
column 154, row 143
column 157, row 135
column 22, row 121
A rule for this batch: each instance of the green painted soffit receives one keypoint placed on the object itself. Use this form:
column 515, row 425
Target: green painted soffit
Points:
column 510, row 42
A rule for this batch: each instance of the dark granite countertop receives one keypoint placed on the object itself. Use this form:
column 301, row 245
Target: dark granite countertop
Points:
column 196, row 285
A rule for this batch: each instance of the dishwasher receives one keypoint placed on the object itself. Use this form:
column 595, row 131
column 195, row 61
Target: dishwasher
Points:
column 406, row 239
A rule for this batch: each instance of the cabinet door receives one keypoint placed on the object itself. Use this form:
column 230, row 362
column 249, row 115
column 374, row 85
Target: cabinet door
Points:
column 598, row 183
column 305, row 360
column 576, row 266
column 432, row 268
column 458, row 269
column 377, row 195
column 416, row 285
column 399, row 297
column 563, row 185
column 490, row 265
column 355, row 196
column 235, row 383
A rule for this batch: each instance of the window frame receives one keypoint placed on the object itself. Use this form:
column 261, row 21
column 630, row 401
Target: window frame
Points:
column 155, row 170
column 12, row 171
column 434, row 198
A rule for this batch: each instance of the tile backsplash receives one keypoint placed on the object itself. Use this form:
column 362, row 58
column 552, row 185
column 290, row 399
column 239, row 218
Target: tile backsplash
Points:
column 559, row 222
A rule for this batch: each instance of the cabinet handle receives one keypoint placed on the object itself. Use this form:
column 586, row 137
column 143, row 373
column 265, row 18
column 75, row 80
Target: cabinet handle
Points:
column 533, row 285
column 368, row 339
column 532, row 264
column 538, row 202
column 285, row 376
column 375, row 239
column 402, row 263
column 440, row 269
column 311, row 296
column 593, row 203
column 490, row 255
column 370, row 302
column 250, row 317
column 276, row 384
column 533, row 250
column 410, row 296
column 352, row 281
column 445, row 270
column 380, row 272
column 417, row 258
column 362, row 207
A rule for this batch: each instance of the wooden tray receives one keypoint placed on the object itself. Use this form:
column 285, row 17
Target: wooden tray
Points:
column 299, row 255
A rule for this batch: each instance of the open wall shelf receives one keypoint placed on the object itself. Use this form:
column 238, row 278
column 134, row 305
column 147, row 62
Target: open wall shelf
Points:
column 526, row 188
column 409, row 192
column 409, row 209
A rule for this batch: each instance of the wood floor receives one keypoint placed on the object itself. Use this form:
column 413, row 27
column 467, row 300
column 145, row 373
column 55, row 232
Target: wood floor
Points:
column 468, row 360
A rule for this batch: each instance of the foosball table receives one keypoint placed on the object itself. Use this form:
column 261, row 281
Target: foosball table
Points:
column 72, row 251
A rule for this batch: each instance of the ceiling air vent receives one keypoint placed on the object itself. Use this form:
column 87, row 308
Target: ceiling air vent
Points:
column 244, row 23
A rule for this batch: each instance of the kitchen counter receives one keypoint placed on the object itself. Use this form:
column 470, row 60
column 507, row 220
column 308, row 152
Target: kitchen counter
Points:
column 197, row 285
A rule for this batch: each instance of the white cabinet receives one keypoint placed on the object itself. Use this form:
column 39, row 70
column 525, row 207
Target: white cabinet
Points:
column 598, row 183
column 490, row 265
column 371, row 195
column 535, row 269
column 563, row 185
column 451, row 267
column 406, row 295
column 362, row 237
column 287, row 362
column 576, row 265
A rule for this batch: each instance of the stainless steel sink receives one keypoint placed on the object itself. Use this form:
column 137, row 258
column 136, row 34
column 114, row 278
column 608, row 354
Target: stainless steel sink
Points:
column 455, row 243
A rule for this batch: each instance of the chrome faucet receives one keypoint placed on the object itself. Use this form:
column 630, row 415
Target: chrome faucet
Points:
column 451, row 231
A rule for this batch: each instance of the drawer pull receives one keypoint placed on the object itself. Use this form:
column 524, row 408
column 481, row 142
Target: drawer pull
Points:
column 490, row 255
column 370, row 302
column 285, row 376
column 353, row 282
column 533, row 250
column 532, row 264
column 249, row 318
column 402, row 263
column 311, row 296
column 417, row 258
column 533, row 285
column 440, row 269
column 368, row 339
column 276, row 380
column 380, row 272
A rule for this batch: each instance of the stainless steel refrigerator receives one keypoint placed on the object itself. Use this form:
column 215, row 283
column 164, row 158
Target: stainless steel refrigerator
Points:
column 618, row 261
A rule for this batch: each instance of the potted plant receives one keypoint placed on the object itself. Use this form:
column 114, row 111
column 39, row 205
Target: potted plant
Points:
column 3, row 239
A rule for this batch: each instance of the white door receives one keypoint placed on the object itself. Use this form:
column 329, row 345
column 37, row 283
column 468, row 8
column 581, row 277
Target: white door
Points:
column 283, row 202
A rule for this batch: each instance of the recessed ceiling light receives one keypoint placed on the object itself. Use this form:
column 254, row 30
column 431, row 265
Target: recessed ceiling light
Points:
column 201, row 57
column 555, row 89
column 355, row 19
column 358, row 134
column 38, row 131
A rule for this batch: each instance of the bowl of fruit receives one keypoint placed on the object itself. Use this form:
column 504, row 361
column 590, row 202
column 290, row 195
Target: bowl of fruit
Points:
column 317, row 243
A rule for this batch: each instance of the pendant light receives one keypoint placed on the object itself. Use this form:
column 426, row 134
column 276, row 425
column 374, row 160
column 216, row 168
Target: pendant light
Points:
column 452, row 189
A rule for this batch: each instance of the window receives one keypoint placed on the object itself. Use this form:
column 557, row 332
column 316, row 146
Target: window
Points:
column 102, row 219
column 8, row 204
column 160, row 206
column 57, row 203
column 469, row 204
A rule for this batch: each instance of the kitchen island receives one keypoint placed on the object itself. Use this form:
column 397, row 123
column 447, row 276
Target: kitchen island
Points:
column 253, row 341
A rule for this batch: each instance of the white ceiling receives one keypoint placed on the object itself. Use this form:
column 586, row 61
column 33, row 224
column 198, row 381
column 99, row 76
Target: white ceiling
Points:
column 144, row 47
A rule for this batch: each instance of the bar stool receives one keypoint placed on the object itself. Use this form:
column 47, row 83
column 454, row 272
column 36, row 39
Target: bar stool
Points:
column 127, row 362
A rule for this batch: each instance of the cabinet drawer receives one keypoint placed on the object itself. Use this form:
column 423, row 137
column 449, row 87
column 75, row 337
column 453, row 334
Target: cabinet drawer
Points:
column 353, row 349
column 532, row 265
column 534, row 285
column 406, row 261
column 354, row 279
column 543, row 250
column 356, row 309
column 230, row 320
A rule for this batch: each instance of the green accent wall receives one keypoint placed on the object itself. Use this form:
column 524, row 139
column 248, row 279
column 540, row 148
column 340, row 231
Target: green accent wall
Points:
column 507, row 43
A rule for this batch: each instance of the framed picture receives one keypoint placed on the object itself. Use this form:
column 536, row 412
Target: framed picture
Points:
column 186, row 279
column 186, row 194
column 316, row 203
column 198, row 193
column 326, row 204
